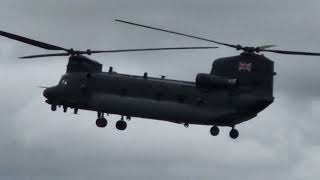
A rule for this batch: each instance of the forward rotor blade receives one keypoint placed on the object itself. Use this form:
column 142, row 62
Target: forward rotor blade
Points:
column 44, row 55
column 113, row 51
column 150, row 49
column 31, row 41
column 292, row 52
column 177, row 33
column 43, row 87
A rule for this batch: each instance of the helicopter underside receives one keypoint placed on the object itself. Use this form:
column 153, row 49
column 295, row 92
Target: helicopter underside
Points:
column 167, row 110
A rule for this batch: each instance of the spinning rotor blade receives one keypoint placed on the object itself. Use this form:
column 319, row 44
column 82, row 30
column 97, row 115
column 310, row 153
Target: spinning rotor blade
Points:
column 73, row 52
column 113, row 51
column 43, row 87
column 266, row 46
column 31, row 41
column 44, row 55
column 292, row 52
column 238, row 47
column 177, row 33
column 151, row 49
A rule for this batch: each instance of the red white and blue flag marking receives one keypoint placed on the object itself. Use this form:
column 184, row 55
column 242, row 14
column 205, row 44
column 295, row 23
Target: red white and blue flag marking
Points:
column 245, row 66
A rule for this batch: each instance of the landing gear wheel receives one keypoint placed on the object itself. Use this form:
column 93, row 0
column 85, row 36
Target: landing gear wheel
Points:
column 214, row 131
column 65, row 109
column 234, row 134
column 101, row 122
column 121, row 125
column 53, row 107
column 186, row 125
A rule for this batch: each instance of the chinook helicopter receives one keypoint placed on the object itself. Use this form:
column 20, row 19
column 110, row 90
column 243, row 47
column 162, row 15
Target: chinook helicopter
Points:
column 236, row 89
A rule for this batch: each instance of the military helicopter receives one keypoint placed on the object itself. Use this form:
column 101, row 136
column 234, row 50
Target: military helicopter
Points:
column 236, row 89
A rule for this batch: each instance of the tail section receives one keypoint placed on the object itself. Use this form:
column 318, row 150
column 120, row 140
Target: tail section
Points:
column 254, row 72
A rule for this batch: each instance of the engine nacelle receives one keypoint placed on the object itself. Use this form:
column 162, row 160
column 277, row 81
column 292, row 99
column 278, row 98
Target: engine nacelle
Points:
column 212, row 81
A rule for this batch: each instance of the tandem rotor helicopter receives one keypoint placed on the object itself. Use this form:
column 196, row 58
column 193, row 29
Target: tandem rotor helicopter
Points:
column 236, row 89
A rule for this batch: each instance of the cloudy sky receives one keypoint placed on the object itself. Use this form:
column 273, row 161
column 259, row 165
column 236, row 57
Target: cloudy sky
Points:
column 281, row 143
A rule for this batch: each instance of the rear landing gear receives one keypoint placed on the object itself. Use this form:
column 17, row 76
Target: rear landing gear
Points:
column 121, row 124
column 101, row 122
column 214, row 131
column 234, row 134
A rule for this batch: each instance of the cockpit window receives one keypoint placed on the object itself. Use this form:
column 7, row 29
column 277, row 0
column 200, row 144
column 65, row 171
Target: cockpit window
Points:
column 63, row 80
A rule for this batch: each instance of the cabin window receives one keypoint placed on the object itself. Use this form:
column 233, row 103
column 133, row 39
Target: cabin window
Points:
column 64, row 82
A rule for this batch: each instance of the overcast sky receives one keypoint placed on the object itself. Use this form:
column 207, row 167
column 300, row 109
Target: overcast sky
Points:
column 35, row 143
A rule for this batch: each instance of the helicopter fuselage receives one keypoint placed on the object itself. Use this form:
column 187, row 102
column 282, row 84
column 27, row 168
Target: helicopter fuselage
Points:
column 155, row 98
column 236, row 90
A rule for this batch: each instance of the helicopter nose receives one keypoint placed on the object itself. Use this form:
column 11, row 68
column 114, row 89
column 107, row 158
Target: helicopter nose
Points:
column 46, row 93
column 49, row 93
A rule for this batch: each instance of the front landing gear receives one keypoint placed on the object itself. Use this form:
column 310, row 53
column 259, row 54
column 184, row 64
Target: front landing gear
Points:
column 121, row 124
column 234, row 134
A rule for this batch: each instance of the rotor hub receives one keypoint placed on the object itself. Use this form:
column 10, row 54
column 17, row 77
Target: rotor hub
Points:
column 250, row 50
column 71, row 52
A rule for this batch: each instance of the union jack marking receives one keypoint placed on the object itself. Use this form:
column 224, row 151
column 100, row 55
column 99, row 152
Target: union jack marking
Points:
column 245, row 66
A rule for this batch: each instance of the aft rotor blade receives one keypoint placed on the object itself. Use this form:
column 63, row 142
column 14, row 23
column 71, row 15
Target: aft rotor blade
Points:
column 151, row 49
column 177, row 33
column 266, row 46
column 31, row 41
column 292, row 52
column 44, row 55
